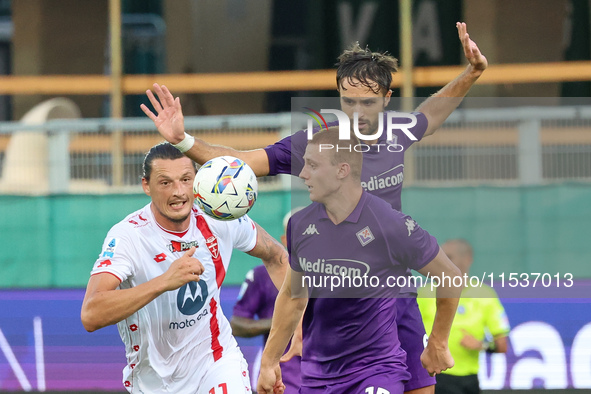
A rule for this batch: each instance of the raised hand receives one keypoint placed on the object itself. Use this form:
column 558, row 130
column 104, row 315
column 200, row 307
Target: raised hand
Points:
column 471, row 51
column 182, row 271
column 169, row 119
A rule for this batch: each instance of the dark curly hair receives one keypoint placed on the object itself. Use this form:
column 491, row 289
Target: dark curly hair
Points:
column 367, row 67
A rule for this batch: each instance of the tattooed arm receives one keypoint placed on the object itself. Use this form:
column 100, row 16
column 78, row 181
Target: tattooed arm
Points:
column 273, row 254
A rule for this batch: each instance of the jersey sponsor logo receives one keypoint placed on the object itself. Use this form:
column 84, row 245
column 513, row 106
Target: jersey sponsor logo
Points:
column 385, row 180
column 109, row 251
column 188, row 322
column 342, row 267
column 160, row 257
column 212, row 245
column 311, row 230
column 365, row 236
column 177, row 246
column 191, row 297
column 410, row 225
column 104, row 263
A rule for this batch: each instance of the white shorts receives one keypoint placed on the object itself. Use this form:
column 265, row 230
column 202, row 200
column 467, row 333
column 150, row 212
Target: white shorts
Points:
column 228, row 375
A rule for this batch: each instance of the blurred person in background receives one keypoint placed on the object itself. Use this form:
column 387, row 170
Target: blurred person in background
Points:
column 158, row 278
column 257, row 299
column 363, row 81
column 480, row 324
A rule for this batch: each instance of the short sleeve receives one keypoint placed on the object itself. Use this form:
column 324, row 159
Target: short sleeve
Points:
column 418, row 130
column 115, row 256
column 287, row 155
column 249, row 297
column 244, row 233
column 497, row 322
column 412, row 246
column 293, row 259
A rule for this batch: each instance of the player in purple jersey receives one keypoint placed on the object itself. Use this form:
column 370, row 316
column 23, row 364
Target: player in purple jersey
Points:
column 257, row 299
column 351, row 345
column 361, row 75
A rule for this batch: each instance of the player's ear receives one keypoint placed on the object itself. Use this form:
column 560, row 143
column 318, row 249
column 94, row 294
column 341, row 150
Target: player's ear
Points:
column 387, row 98
column 344, row 170
column 146, row 186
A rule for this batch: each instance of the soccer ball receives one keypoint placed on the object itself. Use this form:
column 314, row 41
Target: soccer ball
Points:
column 225, row 188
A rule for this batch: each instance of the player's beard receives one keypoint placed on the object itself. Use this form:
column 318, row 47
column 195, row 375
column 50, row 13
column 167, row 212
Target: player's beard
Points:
column 177, row 220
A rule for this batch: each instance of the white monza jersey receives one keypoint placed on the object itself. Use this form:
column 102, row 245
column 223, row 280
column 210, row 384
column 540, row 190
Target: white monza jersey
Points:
column 171, row 342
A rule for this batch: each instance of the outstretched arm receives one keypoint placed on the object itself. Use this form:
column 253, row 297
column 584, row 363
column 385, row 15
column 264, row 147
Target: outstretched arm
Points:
column 248, row 328
column 170, row 124
column 436, row 357
column 286, row 315
column 439, row 106
column 273, row 255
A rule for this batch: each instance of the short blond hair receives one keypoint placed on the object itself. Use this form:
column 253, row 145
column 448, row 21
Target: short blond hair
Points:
column 344, row 151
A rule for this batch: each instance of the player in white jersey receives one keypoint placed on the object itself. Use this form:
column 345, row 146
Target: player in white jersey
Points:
column 158, row 277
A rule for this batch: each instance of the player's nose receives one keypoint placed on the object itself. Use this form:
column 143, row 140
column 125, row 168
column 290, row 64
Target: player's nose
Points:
column 303, row 173
column 178, row 188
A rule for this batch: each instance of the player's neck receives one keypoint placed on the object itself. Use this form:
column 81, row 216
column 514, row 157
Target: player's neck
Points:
column 173, row 228
column 169, row 225
column 340, row 205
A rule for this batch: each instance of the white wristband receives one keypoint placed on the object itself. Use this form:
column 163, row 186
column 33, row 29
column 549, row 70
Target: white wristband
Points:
column 186, row 144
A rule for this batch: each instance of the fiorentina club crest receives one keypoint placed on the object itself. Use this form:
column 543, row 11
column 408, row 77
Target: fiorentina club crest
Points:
column 365, row 236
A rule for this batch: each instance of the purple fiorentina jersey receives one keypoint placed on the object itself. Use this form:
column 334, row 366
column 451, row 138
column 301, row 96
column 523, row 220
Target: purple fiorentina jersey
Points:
column 381, row 174
column 257, row 296
column 345, row 336
column 257, row 299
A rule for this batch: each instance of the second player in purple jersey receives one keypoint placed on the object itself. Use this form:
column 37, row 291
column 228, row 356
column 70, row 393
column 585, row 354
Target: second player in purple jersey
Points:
column 382, row 171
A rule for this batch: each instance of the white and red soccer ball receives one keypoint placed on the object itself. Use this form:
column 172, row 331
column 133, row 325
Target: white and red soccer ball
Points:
column 225, row 188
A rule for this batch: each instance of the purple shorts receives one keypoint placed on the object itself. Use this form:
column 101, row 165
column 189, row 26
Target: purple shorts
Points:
column 411, row 332
column 381, row 380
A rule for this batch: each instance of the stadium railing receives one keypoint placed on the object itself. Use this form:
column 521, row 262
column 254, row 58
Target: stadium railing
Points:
column 509, row 146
